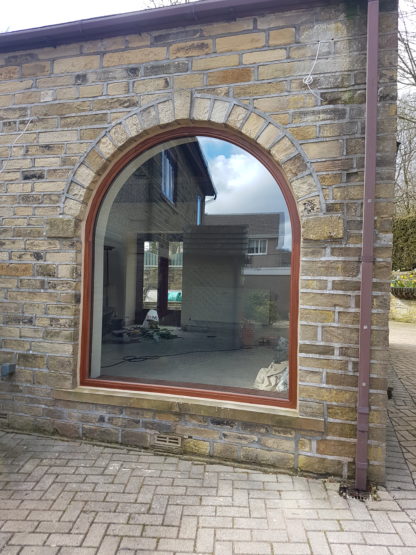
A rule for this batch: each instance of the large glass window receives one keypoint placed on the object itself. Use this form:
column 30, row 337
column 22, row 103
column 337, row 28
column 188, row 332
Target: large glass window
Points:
column 180, row 297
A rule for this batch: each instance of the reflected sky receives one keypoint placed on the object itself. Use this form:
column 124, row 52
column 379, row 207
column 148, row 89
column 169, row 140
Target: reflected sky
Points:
column 243, row 184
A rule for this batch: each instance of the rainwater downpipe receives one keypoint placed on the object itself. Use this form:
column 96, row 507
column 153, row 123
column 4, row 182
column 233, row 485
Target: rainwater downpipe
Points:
column 367, row 254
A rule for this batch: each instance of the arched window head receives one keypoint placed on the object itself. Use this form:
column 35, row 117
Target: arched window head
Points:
column 192, row 281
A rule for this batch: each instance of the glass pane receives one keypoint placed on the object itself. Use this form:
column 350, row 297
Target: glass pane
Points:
column 196, row 292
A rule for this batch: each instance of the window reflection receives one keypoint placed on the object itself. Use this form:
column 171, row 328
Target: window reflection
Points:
column 192, row 272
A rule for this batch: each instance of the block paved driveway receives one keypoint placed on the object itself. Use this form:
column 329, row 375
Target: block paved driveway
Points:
column 75, row 498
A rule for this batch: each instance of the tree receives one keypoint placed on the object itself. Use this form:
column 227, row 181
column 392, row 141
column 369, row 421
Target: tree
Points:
column 406, row 123
column 407, row 44
column 406, row 156
column 150, row 4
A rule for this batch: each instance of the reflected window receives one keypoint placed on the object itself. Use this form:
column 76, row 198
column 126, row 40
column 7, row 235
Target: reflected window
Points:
column 168, row 176
column 257, row 246
column 179, row 298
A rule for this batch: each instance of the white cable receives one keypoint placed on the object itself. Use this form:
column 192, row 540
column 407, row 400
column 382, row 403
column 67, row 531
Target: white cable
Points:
column 308, row 80
column 13, row 144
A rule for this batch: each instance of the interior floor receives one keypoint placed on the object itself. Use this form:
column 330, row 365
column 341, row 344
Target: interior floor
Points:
column 192, row 357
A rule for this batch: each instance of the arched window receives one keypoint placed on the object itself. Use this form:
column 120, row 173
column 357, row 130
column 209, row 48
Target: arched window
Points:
column 193, row 286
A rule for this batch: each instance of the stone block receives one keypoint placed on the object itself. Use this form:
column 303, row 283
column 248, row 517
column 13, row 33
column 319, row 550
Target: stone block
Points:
column 335, row 448
column 282, row 36
column 79, row 63
column 304, row 133
column 277, row 443
column 237, row 116
column 269, row 136
column 332, row 395
column 283, row 150
column 323, row 149
column 270, row 458
column 196, row 447
column 137, row 56
column 190, row 49
column 90, row 90
column 340, row 335
column 262, row 56
column 133, row 125
column 320, row 465
column 182, row 105
column 186, row 82
column 149, row 117
column 234, row 42
column 285, row 102
column 226, row 451
column 106, row 147
column 323, row 228
column 100, row 433
column 70, row 430
column 135, row 437
column 119, row 137
column 228, row 76
column 295, row 166
column 219, row 111
column 166, row 113
column 60, row 227
column 165, row 68
column 192, row 432
column 215, row 62
column 201, row 109
column 253, row 125
column 235, row 437
column 308, row 315
column 15, row 269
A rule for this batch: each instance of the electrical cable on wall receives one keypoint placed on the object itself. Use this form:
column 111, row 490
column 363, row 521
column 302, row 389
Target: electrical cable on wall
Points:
column 308, row 80
column 13, row 144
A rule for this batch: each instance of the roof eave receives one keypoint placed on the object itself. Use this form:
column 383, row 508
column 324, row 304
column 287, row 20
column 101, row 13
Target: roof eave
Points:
column 144, row 21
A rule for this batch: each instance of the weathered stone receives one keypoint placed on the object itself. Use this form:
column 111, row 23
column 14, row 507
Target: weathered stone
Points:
column 323, row 228
column 196, row 447
column 320, row 465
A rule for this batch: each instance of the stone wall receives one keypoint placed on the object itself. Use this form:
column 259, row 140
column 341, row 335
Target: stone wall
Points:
column 402, row 310
column 68, row 113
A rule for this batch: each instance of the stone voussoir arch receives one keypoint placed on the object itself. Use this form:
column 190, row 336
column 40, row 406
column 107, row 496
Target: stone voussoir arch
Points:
column 185, row 107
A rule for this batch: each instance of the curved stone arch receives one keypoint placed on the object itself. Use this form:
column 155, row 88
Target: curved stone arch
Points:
column 187, row 108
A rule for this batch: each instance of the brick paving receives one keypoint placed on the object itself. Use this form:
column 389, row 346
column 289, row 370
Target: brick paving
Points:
column 74, row 498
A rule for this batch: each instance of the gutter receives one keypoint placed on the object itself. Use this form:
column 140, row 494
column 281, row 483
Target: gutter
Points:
column 367, row 255
column 143, row 21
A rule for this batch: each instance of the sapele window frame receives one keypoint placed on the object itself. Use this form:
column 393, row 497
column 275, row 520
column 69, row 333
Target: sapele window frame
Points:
column 220, row 394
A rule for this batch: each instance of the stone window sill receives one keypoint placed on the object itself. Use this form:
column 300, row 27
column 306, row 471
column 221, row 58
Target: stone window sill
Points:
column 259, row 414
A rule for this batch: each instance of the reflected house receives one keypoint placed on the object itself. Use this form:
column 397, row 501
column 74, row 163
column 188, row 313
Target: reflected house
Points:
column 144, row 236
column 163, row 258
column 267, row 263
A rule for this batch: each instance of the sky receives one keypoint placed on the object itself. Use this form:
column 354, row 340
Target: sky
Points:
column 28, row 13
column 243, row 184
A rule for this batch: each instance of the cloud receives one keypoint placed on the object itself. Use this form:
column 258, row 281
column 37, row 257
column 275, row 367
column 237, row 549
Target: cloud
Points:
column 243, row 184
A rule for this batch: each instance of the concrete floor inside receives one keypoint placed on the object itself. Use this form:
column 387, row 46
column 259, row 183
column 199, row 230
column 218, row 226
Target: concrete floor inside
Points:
column 195, row 357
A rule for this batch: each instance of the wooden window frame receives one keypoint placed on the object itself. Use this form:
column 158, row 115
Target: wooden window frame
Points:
column 174, row 388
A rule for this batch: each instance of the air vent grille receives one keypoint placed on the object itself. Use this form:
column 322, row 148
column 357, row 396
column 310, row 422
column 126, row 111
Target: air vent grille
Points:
column 167, row 442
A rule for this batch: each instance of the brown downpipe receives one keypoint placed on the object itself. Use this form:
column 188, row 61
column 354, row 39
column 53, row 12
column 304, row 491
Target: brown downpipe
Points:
column 367, row 255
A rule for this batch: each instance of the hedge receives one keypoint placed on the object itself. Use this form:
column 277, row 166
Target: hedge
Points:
column 404, row 243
